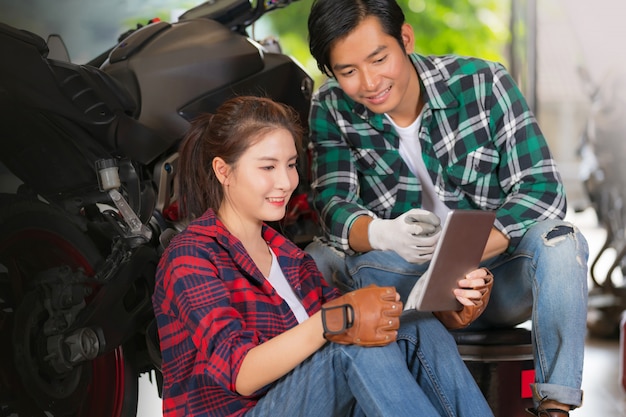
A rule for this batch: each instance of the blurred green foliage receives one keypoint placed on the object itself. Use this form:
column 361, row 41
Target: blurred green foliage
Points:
column 465, row 27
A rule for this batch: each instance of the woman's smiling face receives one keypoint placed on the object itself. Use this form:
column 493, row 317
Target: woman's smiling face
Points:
column 259, row 186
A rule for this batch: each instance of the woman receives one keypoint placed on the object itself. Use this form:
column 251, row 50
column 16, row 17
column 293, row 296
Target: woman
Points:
column 245, row 317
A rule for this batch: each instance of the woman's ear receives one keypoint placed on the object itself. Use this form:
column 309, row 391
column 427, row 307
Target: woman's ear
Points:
column 221, row 169
column 408, row 38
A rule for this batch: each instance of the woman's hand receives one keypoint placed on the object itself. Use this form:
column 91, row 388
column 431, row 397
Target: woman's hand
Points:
column 473, row 296
column 473, row 287
column 368, row 316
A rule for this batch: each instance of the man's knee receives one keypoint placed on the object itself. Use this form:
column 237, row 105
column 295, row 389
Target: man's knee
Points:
column 558, row 236
column 332, row 265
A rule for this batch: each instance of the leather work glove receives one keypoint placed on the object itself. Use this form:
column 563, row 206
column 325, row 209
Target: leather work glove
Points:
column 464, row 317
column 368, row 316
column 413, row 235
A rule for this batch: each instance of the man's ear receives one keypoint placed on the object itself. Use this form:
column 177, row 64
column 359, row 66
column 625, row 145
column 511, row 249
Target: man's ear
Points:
column 221, row 169
column 408, row 38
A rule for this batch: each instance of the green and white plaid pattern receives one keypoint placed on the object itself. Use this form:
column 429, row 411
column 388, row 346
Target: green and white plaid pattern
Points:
column 480, row 142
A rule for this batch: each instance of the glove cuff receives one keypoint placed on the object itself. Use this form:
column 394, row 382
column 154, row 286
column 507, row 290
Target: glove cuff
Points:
column 376, row 233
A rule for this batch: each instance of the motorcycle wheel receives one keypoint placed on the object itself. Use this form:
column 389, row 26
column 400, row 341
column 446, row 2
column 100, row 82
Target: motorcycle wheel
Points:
column 35, row 237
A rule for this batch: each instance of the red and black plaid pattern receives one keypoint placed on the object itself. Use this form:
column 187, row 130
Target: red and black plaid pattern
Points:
column 213, row 305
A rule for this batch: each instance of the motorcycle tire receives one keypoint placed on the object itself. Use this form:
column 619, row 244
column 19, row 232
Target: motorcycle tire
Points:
column 36, row 237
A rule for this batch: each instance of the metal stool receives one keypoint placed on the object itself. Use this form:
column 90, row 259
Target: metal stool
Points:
column 501, row 362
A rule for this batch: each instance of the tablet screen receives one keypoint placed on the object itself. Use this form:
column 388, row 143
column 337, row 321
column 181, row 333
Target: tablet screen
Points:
column 459, row 251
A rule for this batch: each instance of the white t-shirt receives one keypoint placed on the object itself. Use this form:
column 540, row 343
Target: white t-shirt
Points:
column 411, row 151
column 282, row 287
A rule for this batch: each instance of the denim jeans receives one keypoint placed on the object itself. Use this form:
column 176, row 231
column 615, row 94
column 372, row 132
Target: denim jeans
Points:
column 421, row 374
column 544, row 280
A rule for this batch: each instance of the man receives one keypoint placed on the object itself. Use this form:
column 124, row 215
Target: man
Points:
column 397, row 136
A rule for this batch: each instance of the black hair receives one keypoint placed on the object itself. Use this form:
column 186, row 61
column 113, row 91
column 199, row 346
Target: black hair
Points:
column 331, row 20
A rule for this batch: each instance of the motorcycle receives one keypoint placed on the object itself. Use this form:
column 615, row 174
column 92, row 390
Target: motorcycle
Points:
column 94, row 150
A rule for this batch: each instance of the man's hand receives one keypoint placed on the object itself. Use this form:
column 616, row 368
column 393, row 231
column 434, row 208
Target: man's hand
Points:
column 412, row 235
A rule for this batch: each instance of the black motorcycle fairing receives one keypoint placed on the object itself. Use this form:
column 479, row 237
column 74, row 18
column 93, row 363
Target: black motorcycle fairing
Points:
column 295, row 88
column 133, row 44
column 76, row 92
column 222, row 11
column 52, row 165
column 86, row 114
column 26, row 36
column 179, row 63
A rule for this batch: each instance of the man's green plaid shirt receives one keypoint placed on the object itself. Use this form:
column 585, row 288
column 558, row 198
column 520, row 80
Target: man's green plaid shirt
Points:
column 480, row 142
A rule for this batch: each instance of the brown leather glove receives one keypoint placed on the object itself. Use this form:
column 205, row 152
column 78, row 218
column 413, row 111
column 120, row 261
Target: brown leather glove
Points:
column 367, row 317
column 464, row 317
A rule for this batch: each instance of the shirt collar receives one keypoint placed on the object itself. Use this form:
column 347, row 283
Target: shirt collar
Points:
column 210, row 225
column 434, row 82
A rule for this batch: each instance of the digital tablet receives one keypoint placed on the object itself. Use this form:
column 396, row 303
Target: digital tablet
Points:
column 458, row 251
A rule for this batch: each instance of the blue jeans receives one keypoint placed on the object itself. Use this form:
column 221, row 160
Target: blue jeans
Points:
column 544, row 279
column 421, row 374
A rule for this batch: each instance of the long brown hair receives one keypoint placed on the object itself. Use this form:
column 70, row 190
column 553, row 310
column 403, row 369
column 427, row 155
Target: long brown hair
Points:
column 236, row 125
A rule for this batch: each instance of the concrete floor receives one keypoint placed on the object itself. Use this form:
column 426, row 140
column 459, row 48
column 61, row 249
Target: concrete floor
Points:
column 603, row 393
